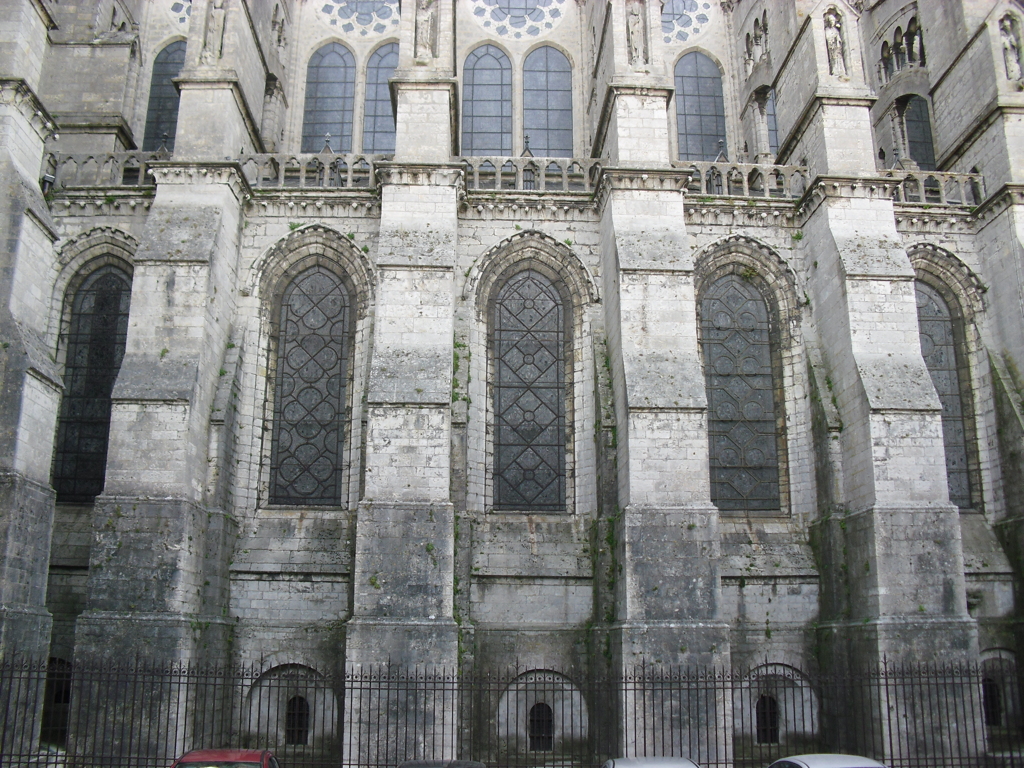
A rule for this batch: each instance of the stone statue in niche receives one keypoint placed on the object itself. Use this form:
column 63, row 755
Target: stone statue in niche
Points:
column 834, row 43
column 635, row 33
column 213, row 43
column 426, row 29
column 1009, row 34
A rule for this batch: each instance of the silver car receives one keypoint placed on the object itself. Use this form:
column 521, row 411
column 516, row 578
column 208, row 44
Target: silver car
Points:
column 826, row 761
column 650, row 762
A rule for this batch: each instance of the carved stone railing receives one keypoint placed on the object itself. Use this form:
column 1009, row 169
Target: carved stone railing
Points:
column 309, row 171
column 102, row 169
column 750, row 180
column 933, row 188
column 530, row 174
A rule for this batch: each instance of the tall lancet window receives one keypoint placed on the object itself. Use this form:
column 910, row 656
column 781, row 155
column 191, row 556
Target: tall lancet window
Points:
column 162, row 111
column 95, row 348
column 487, row 103
column 700, row 108
column 309, row 397
column 529, row 338
column 330, row 98
column 378, row 119
column 547, row 102
column 738, row 367
column 938, row 346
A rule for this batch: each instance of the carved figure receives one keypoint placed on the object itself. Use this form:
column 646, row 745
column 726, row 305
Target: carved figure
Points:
column 426, row 26
column 834, row 43
column 635, row 33
column 213, row 44
column 1011, row 47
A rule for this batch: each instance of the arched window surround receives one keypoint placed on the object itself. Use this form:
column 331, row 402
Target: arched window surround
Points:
column 773, row 279
column 538, row 252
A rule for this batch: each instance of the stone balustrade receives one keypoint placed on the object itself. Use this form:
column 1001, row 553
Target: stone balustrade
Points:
column 530, row 174
column 752, row 180
column 934, row 188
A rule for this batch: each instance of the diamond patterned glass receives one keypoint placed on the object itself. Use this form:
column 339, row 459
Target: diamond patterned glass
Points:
column 935, row 324
column 700, row 108
column 95, row 348
column 529, row 339
column 919, row 133
column 162, row 113
column 378, row 119
column 487, row 103
column 310, row 396
column 741, row 396
column 330, row 98
column 547, row 103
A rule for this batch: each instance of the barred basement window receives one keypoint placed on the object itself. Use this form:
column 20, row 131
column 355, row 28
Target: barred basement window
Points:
column 330, row 99
column 162, row 112
column 296, row 721
column 487, row 103
column 56, row 703
column 991, row 702
column 767, row 714
column 541, row 728
column 529, row 338
column 309, row 405
column 547, row 102
column 738, row 368
column 378, row 119
column 95, row 348
column 700, row 108
column 939, row 348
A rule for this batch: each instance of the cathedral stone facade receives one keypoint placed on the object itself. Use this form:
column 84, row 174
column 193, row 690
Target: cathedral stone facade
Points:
column 570, row 333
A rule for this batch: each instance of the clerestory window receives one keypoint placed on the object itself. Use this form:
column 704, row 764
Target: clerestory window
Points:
column 330, row 99
column 162, row 111
column 700, row 108
column 547, row 102
column 378, row 118
column 487, row 103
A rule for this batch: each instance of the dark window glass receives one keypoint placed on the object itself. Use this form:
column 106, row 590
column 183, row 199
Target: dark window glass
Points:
column 487, row 103
column 296, row 721
column 773, row 126
column 919, row 133
column 700, row 108
column 310, row 397
column 547, row 103
column 56, row 704
column 162, row 113
column 741, row 396
column 541, row 728
column 378, row 119
column 767, row 720
column 330, row 96
column 992, row 702
column 96, row 341
column 939, row 349
column 529, row 340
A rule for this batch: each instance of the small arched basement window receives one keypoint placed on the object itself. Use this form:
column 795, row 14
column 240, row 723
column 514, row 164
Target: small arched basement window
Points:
column 378, row 119
column 767, row 716
column 541, row 728
column 547, row 102
column 992, row 702
column 162, row 111
column 700, row 108
column 296, row 721
column 330, row 98
column 487, row 103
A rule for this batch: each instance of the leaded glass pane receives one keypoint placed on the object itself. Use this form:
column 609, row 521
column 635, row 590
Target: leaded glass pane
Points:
column 330, row 98
column 773, row 124
column 938, row 347
column 547, row 102
column 529, row 340
column 162, row 112
column 742, row 433
column 378, row 119
column 95, row 348
column 309, row 402
column 487, row 103
column 700, row 108
column 919, row 134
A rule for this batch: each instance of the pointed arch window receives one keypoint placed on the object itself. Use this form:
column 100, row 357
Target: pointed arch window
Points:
column 330, row 98
column 95, row 347
column 740, row 376
column 162, row 111
column 487, row 103
column 919, row 133
column 944, row 363
column 378, row 119
column 547, row 102
column 309, row 404
column 529, row 341
column 700, row 108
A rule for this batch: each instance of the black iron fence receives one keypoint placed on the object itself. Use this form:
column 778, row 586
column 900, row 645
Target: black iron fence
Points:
column 141, row 714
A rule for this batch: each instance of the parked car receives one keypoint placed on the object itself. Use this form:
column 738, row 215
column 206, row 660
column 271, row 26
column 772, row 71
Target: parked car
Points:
column 227, row 758
column 650, row 762
column 826, row 761
column 441, row 764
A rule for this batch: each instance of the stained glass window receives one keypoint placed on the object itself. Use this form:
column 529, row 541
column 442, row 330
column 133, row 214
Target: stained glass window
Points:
column 547, row 102
column 162, row 112
column 529, row 339
column 742, row 428
column 919, row 133
column 700, row 108
column 487, row 103
column 330, row 98
column 938, row 347
column 95, row 348
column 378, row 118
column 312, row 363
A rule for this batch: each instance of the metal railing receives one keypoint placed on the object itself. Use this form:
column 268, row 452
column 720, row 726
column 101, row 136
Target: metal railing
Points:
column 933, row 188
column 530, row 174
column 143, row 714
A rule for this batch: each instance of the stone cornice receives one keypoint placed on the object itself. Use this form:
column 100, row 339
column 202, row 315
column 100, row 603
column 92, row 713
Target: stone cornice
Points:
column 168, row 172
column 17, row 93
column 420, row 174
column 639, row 179
column 850, row 187
column 998, row 202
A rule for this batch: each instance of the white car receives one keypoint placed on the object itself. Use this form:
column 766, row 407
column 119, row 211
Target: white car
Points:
column 650, row 762
column 826, row 761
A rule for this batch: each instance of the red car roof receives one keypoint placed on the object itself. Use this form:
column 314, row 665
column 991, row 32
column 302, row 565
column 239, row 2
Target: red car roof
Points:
column 236, row 755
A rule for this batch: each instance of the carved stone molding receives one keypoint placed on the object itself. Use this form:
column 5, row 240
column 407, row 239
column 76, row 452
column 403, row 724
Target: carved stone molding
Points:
column 177, row 172
column 419, row 175
column 15, row 92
